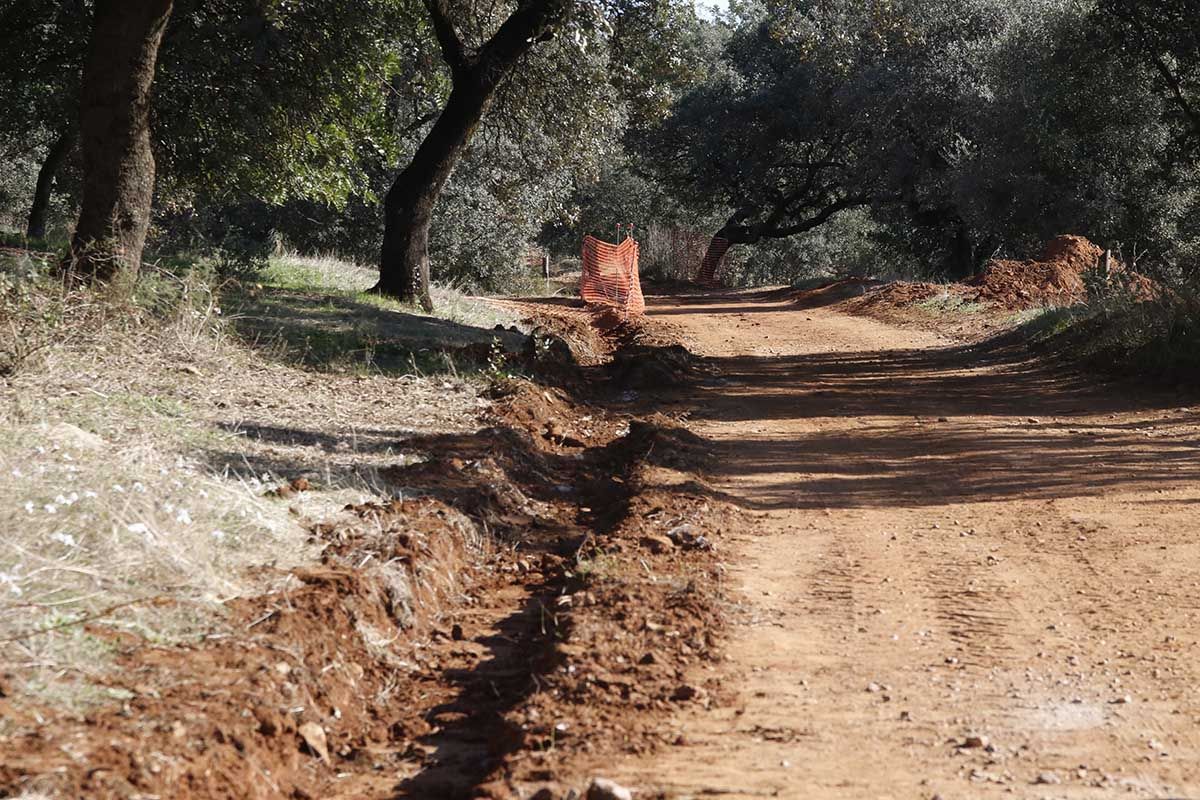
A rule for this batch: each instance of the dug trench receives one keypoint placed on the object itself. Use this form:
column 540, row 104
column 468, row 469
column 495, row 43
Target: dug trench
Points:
column 535, row 594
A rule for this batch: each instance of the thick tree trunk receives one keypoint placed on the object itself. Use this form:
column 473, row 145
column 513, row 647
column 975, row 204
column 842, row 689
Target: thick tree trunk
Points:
column 118, row 164
column 408, row 207
column 39, row 210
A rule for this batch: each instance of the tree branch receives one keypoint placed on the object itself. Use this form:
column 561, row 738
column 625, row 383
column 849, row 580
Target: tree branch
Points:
column 454, row 52
column 823, row 216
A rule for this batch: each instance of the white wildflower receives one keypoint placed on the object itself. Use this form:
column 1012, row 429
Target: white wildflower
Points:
column 16, row 473
column 218, row 535
column 138, row 486
column 50, row 508
column 184, row 517
column 90, row 494
column 118, row 488
column 29, row 506
column 64, row 538
column 137, row 527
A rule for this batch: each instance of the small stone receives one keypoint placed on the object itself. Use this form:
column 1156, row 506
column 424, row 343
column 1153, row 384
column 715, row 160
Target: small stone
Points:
column 1120, row 701
column 974, row 741
column 685, row 692
column 456, row 632
column 657, row 544
column 71, row 436
column 314, row 736
column 1050, row 778
column 604, row 789
column 873, row 687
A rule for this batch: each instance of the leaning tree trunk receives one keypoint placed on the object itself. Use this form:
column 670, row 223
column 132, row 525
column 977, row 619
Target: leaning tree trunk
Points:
column 39, row 210
column 717, row 247
column 118, row 164
column 408, row 206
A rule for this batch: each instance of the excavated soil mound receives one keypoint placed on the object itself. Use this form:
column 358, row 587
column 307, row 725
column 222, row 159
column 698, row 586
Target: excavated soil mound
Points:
column 1054, row 279
column 899, row 294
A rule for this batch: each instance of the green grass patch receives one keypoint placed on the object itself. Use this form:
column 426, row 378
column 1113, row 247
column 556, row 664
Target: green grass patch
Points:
column 316, row 312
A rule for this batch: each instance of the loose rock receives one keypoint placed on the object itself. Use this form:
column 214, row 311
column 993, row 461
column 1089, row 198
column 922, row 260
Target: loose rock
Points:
column 604, row 789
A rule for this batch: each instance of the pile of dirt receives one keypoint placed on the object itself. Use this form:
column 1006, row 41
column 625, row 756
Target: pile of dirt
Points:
column 532, row 584
column 900, row 294
column 826, row 294
column 349, row 677
column 1056, row 278
column 299, row 684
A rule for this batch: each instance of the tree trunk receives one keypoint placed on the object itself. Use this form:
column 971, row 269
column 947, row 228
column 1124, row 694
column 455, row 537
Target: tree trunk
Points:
column 408, row 206
column 717, row 247
column 39, row 210
column 963, row 261
column 118, row 163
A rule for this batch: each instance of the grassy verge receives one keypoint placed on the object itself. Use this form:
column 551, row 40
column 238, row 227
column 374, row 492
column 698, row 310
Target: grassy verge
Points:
column 140, row 439
column 1119, row 331
column 316, row 312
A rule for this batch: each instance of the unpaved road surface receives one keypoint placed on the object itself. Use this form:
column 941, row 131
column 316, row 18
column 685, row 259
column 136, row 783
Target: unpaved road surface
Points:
column 974, row 574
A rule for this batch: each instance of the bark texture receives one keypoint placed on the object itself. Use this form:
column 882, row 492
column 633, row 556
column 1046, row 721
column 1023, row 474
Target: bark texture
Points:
column 408, row 207
column 118, row 163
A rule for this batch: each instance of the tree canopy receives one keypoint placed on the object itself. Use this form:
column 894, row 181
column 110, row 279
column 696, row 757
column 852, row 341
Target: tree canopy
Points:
column 927, row 135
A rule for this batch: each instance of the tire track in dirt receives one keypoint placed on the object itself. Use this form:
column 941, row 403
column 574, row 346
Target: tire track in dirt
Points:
column 977, row 573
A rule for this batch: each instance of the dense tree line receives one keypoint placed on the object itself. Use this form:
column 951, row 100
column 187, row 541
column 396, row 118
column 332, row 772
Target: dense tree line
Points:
column 955, row 129
column 904, row 135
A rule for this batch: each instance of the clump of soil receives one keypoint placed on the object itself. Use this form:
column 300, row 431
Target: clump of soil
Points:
column 1056, row 278
column 644, row 603
column 900, row 294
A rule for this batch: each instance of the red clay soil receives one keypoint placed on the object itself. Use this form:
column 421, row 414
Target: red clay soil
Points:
column 544, row 579
column 969, row 573
column 1056, row 278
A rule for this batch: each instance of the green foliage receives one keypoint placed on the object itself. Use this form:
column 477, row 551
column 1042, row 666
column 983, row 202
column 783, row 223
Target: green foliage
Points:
column 962, row 130
column 291, row 96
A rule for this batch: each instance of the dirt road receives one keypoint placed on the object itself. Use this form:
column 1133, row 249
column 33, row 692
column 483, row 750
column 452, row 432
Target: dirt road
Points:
column 973, row 575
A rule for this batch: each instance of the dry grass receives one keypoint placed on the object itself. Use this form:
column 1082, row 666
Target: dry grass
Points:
column 137, row 443
column 291, row 270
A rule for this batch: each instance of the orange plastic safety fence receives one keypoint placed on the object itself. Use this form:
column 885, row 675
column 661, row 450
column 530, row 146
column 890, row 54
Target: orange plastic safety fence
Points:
column 707, row 276
column 610, row 275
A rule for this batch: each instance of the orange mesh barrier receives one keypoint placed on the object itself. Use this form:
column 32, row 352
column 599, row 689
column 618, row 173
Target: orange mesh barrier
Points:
column 610, row 275
column 707, row 276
